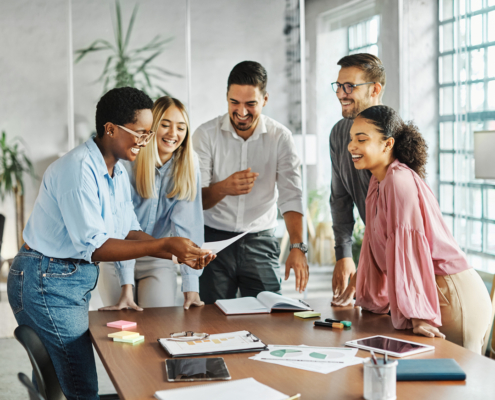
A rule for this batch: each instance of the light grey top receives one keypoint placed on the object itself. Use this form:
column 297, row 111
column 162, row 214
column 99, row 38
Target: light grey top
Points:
column 349, row 186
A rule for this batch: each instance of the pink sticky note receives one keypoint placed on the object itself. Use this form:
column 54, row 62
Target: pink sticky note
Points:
column 122, row 325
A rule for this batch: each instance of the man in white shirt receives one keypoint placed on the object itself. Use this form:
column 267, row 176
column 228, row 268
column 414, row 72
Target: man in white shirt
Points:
column 249, row 166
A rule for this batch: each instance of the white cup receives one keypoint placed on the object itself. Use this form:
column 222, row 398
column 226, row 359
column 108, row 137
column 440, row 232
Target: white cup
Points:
column 380, row 380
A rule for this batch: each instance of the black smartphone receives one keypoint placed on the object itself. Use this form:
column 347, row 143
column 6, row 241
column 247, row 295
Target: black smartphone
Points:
column 196, row 369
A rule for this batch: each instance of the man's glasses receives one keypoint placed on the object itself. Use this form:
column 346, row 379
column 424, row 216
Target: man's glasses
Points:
column 142, row 139
column 347, row 87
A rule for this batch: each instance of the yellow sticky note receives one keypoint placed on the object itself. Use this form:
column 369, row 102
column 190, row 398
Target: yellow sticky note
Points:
column 307, row 314
column 123, row 334
column 133, row 340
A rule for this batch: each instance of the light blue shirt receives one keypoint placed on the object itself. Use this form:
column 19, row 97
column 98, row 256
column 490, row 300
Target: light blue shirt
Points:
column 80, row 206
column 163, row 217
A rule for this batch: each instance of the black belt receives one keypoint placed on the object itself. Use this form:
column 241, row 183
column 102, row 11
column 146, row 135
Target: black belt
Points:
column 72, row 260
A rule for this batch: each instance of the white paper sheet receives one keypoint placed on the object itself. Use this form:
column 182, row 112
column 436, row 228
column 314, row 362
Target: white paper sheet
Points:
column 241, row 389
column 317, row 359
column 217, row 247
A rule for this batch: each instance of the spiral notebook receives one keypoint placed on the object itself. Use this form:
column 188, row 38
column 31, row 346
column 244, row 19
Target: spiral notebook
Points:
column 241, row 389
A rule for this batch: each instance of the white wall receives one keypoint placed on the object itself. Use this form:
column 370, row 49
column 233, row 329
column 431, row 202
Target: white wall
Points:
column 34, row 65
column 33, row 82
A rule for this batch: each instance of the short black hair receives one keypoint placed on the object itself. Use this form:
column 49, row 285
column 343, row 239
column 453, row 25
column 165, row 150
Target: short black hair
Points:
column 119, row 106
column 248, row 73
column 370, row 64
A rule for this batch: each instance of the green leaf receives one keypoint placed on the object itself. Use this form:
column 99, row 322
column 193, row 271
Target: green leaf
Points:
column 131, row 24
column 118, row 31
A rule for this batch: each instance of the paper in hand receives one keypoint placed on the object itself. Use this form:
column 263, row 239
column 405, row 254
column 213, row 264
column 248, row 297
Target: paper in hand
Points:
column 217, row 247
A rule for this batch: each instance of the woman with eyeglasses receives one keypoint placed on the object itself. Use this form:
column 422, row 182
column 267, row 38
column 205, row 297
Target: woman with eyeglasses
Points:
column 410, row 263
column 83, row 215
column 166, row 192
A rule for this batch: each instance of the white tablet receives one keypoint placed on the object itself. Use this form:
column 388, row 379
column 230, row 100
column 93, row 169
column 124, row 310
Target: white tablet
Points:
column 392, row 347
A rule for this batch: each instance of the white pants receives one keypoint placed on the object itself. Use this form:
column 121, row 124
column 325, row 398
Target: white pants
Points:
column 155, row 283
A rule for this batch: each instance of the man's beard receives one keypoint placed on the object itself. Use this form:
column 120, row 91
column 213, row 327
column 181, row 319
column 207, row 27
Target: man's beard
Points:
column 356, row 111
column 244, row 127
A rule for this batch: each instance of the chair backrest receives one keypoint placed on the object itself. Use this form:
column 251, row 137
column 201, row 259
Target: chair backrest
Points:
column 44, row 371
column 33, row 393
column 2, row 225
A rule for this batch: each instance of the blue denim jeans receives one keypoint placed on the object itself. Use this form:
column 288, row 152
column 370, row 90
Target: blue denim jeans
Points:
column 52, row 296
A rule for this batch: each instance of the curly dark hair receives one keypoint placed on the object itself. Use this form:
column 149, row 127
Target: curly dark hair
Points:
column 410, row 147
column 119, row 106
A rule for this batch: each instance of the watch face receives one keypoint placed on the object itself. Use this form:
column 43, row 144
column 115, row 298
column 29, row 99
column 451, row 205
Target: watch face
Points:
column 301, row 246
column 304, row 247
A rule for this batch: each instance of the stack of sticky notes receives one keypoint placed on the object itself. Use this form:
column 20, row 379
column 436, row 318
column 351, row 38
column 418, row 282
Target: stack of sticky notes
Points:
column 124, row 335
column 307, row 314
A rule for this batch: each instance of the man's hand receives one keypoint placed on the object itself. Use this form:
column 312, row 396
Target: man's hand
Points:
column 126, row 301
column 297, row 261
column 421, row 327
column 346, row 298
column 200, row 262
column 238, row 183
column 192, row 299
column 344, row 269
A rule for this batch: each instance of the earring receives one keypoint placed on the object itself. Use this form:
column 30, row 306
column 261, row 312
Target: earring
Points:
column 108, row 133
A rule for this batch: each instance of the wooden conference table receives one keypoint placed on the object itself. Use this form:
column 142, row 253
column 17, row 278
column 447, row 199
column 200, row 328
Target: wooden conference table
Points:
column 138, row 371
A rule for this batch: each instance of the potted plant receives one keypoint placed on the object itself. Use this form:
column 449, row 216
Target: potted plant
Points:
column 13, row 165
column 130, row 67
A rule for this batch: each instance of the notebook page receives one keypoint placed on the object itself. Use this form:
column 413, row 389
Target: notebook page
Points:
column 271, row 300
column 241, row 389
column 242, row 305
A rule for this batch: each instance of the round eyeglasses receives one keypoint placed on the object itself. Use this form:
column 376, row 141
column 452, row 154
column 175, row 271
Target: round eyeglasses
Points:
column 348, row 87
column 142, row 139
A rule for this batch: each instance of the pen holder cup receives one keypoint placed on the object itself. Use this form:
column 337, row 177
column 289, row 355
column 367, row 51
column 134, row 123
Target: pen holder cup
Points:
column 380, row 380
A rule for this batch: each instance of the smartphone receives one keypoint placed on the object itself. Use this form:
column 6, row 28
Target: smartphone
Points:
column 196, row 369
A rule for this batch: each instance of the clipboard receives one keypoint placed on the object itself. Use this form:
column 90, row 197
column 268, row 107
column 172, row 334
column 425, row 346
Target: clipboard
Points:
column 222, row 343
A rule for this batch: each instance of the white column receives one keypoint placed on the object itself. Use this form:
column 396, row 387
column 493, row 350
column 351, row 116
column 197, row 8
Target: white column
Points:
column 70, row 84
column 188, row 58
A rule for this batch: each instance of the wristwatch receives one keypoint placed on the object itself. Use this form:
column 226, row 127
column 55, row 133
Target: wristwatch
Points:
column 301, row 246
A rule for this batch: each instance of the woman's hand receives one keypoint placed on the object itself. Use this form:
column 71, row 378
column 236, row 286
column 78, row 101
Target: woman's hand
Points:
column 200, row 262
column 192, row 299
column 346, row 298
column 126, row 301
column 421, row 327
column 184, row 249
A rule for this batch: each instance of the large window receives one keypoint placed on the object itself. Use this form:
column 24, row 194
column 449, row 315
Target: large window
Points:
column 364, row 36
column 466, row 67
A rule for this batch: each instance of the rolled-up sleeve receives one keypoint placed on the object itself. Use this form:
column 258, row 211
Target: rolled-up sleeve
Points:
column 202, row 148
column 125, row 271
column 341, row 206
column 81, row 212
column 288, row 176
column 187, row 221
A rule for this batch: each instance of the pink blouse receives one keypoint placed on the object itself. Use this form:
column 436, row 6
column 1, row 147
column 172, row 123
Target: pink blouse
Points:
column 406, row 243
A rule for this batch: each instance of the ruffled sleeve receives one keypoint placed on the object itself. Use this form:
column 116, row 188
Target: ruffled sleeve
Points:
column 410, row 272
column 410, row 279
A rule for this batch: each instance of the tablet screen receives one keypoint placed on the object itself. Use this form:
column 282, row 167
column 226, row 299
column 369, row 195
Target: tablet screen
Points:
column 387, row 344
column 197, row 369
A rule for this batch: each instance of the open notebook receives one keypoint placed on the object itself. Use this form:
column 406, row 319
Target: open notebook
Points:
column 241, row 389
column 264, row 303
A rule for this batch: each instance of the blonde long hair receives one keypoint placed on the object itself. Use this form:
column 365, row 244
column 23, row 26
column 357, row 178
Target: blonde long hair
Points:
column 148, row 158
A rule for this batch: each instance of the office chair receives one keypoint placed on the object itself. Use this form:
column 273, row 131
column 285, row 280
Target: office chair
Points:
column 33, row 393
column 44, row 371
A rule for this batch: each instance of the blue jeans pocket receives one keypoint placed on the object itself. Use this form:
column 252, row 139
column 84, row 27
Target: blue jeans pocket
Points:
column 60, row 268
column 14, row 290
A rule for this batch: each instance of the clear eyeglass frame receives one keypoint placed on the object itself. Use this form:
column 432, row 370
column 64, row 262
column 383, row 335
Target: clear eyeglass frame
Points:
column 142, row 139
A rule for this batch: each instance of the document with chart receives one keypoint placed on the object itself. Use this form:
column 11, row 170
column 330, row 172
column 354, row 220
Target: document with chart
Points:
column 233, row 342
